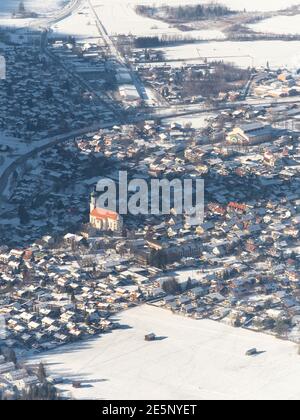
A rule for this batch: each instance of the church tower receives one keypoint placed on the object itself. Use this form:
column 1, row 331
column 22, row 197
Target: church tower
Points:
column 93, row 201
column 103, row 219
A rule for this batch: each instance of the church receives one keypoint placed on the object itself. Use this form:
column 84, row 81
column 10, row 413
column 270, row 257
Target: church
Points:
column 102, row 219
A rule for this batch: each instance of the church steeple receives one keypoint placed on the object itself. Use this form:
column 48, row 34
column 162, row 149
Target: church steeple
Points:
column 93, row 201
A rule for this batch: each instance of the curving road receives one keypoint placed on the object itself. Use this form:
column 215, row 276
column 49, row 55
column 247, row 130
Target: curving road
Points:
column 161, row 113
column 49, row 142
column 51, row 19
column 44, row 23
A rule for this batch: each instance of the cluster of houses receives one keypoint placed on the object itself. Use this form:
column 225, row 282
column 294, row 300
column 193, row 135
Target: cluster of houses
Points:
column 90, row 63
column 14, row 379
column 251, row 228
column 60, row 202
column 67, row 267
column 230, row 151
column 39, row 99
column 261, row 298
column 54, row 293
column 167, row 80
column 191, row 83
column 110, row 80
column 177, row 84
column 137, row 56
column 63, row 276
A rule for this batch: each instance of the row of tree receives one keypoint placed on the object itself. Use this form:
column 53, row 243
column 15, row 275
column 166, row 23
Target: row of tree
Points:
column 224, row 78
column 161, row 41
column 186, row 13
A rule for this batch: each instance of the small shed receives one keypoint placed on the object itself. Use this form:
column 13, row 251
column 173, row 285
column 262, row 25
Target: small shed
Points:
column 251, row 352
column 150, row 337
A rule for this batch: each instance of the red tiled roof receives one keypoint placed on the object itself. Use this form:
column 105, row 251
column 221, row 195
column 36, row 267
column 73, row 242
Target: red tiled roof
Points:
column 238, row 206
column 104, row 214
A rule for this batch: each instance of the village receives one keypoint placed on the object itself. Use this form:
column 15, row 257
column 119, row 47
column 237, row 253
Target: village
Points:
column 240, row 266
column 69, row 268
column 33, row 83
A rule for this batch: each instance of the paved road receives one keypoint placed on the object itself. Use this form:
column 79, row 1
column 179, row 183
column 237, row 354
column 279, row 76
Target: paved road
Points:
column 49, row 20
column 162, row 113
column 105, row 36
column 180, row 110
column 5, row 175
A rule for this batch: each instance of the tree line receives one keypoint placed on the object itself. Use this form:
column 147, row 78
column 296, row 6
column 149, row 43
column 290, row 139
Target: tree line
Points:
column 161, row 41
column 189, row 12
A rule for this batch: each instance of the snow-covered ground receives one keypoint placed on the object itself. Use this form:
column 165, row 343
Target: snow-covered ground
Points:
column 119, row 17
column 192, row 360
column 257, row 5
column 279, row 25
column 278, row 53
column 253, row 5
column 46, row 8
column 80, row 24
column 38, row 6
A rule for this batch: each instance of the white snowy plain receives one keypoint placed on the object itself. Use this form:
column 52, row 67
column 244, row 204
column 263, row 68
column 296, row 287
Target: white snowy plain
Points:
column 277, row 53
column 45, row 6
column 119, row 17
column 196, row 360
column 289, row 25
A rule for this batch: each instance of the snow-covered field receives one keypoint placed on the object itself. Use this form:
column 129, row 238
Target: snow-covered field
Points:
column 7, row 6
column 279, row 25
column 257, row 5
column 119, row 17
column 253, row 5
column 192, row 360
column 80, row 24
column 45, row 8
column 278, row 53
